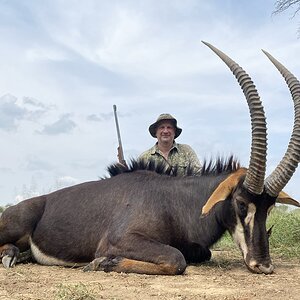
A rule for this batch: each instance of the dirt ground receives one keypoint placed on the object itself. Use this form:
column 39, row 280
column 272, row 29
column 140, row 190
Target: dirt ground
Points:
column 224, row 277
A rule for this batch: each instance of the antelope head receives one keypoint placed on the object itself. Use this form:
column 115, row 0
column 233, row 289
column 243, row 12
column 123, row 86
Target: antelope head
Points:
column 252, row 195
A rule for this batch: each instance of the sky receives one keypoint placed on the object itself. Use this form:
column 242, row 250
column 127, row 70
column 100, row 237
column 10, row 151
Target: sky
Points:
column 65, row 63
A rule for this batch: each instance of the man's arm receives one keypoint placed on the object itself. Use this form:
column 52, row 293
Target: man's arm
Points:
column 194, row 161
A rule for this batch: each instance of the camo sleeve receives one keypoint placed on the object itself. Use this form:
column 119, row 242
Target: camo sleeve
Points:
column 145, row 155
column 190, row 156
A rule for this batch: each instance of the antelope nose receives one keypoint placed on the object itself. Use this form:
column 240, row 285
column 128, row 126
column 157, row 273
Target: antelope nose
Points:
column 262, row 269
column 256, row 267
column 266, row 269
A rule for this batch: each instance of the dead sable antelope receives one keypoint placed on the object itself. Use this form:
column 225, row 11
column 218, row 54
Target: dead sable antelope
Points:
column 144, row 219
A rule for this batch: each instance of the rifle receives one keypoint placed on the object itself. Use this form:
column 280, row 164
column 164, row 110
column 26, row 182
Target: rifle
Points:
column 120, row 148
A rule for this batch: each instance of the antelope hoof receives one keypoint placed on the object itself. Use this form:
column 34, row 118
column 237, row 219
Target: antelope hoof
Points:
column 9, row 261
column 94, row 265
column 9, row 255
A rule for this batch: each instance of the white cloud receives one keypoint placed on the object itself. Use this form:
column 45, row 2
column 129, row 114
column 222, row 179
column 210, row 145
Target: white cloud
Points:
column 34, row 163
column 63, row 125
column 10, row 112
column 100, row 117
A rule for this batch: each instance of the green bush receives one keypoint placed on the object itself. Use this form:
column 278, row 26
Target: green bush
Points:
column 285, row 237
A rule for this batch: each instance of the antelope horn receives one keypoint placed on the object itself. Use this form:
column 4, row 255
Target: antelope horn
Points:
column 277, row 180
column 254, row 181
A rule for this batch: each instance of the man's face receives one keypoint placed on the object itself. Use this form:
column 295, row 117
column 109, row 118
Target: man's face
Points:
column 165, row 132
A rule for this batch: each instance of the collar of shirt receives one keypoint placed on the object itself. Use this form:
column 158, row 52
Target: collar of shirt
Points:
column 156, row 150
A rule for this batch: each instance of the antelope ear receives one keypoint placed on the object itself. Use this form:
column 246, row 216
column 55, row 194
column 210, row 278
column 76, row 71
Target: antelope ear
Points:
column 223, row 190
column 284, row 198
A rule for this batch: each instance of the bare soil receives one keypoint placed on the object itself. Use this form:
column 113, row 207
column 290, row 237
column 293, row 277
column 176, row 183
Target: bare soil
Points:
column 224, row 277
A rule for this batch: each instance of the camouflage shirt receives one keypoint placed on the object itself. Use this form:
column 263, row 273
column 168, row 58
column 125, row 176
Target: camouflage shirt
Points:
column 180, row 155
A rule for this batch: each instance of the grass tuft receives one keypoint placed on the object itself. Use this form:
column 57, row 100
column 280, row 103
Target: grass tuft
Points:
column 77, row 291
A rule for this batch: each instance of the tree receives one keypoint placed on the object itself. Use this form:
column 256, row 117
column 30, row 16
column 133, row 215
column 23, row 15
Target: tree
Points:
column 282, row 5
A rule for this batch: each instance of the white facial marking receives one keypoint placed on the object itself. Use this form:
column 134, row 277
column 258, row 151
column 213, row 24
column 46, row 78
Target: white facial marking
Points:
column 249, row 220
column 252, row 263
column 239, row 237
column 239, row 233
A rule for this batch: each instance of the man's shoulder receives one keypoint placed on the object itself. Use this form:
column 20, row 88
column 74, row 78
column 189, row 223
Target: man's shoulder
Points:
column 145, row 153
column 184, row 147
column 148, row 153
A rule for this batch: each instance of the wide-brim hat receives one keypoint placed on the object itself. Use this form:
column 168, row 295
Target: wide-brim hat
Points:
column 164, row 117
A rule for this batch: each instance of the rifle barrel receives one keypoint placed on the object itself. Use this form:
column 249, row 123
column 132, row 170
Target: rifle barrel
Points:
column 120, row 148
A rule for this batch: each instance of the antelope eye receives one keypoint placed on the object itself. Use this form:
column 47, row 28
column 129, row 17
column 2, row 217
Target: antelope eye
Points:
column 242, row 207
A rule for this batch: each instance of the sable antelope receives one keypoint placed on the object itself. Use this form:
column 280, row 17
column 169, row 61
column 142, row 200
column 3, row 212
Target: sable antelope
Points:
column 145, row 220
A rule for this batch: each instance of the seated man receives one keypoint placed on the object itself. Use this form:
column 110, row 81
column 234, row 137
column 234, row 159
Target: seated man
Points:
column 167, row 150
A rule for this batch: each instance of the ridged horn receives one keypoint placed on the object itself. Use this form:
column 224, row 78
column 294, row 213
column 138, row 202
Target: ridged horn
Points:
column 277, row 180
column 254, row 181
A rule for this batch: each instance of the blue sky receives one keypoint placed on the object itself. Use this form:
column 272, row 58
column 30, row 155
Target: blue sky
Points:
column 65, row 63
